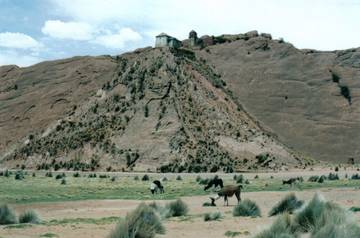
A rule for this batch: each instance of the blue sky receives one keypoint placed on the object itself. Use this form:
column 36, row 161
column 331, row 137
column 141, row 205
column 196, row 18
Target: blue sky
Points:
column 32, row 31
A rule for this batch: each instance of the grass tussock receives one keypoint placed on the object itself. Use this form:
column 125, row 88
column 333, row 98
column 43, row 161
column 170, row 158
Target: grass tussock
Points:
column 29, row 217
column 247, row 208
column 214, row 216
column 282, row 228
column 143, row 222
column 176, row 208
column 318, row 219
column 7, row 215
column 288, row 204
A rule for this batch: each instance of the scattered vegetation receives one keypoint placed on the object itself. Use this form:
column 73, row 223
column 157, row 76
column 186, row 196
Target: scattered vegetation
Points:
column 281, row 228
column 355, row 209
column 29, row 217
column 145, row 177
column 140, row 223
column 179, row 178
column 7, row 215
column 247, row 208
column 176, row 208
column 214, row 216
column 232, row 233
column 288, row 204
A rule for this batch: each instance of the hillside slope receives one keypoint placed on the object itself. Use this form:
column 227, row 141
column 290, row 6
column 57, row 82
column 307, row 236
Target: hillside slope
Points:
column 151, row 109
column 310, row 99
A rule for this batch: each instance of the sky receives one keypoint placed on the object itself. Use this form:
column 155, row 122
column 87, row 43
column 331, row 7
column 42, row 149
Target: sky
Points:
column 32, row 31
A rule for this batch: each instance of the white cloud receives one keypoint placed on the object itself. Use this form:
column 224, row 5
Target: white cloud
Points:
column 19, row 58
column 322, row 24
column 118, row 40
column 68, row 30
column 18, row 40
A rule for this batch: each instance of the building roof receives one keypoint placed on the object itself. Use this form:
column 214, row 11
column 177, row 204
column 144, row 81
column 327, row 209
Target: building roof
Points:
column 163, row 34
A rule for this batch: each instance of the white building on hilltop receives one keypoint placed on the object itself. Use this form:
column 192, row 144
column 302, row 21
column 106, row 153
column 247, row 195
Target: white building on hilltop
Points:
column 164, row 40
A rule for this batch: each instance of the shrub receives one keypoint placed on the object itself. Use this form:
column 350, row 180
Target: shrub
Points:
column 136, row 178
column 232, row 233
column 140, row 223
column 63, row 181
column 29, row 217
column 76, row 175
column 338, row 231
column 48, row 174
column 113, row 179
column 321, row 179
column 34, row 174
column 256, row 177
column 198, row 179
column 281, row 228
column 247, row 208
column 103, row 176
column 287, row 204
column 60, row 176
column 19, row 175
column 313, row 178
column 176, row 208
column 7, row 173
column 145, row 178
column 355, row 176
column 332, row 176
column 239, row 178
column 215, row 216
column 318, row 214
column 179, row 178
column 7, row 215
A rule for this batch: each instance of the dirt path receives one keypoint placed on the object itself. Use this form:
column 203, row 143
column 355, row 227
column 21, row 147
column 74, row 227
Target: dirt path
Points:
column 192, row 227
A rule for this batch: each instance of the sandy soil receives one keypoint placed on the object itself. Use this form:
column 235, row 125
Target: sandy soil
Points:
column 176, row 228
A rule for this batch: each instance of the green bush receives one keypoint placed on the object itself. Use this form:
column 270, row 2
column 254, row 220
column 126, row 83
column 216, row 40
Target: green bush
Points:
column 29, row 217
column 319, row 219
column 215, row 216
column 313, row 178
column 321, row 179
column 63, row 181
column 140, row 223
column 48, row 174
column 333, row 176
column 136, row 178
column 76, row 175
column 239, row 178
column 331, row 230
column 19, row 175
column 7, row 215
column 281, row 228
column 179, row 178
column 247, row 208
column 355, row 176
column 288, row 204
column 176, row 208
column 145, row 178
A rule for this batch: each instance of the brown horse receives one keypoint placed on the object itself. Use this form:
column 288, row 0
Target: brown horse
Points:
column 228, row 191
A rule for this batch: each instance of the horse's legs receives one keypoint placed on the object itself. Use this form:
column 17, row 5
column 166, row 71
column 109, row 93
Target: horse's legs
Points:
column 237, row 194
column 226, row 200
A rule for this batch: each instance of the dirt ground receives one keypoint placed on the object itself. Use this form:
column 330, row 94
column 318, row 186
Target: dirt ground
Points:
column 191, row 227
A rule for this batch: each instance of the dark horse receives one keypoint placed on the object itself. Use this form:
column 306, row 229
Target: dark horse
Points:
column 216, row 181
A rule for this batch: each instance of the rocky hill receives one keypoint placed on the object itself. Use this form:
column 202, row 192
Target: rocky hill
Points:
column 240, row 103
